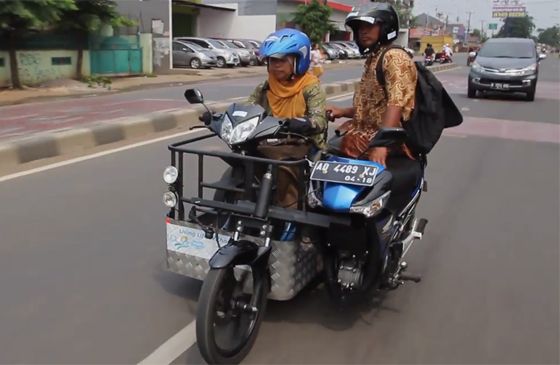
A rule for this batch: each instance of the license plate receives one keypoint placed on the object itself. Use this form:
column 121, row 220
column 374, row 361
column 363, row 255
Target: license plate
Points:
column 500, row 86
column 345, row 173
column 191, row 241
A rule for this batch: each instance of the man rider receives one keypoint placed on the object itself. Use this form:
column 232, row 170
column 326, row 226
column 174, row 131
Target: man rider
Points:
column 429, row 51
column 376, row 106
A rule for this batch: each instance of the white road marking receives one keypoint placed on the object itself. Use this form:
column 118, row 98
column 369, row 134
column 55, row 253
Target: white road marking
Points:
column 172, row 348
column 20, row 117
column 105, row 153
column 90, row 157
column 341, row 97
column 465, row 109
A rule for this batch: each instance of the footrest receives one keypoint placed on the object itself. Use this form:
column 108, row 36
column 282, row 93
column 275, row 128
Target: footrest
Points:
column 421, row 226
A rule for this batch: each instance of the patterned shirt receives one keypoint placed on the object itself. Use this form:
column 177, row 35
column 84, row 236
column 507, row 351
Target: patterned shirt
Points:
column 315, row 100
column 371, row 98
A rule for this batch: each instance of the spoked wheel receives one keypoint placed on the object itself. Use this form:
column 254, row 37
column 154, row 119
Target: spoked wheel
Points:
column 227, row 319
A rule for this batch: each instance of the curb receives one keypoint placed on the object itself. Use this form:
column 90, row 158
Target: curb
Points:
column 72, row 141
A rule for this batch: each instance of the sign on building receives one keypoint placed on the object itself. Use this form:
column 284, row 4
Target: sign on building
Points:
column 508, row 8
column 455, row 30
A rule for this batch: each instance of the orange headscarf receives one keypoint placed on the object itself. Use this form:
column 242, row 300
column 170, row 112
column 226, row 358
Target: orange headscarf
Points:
column 286, row 97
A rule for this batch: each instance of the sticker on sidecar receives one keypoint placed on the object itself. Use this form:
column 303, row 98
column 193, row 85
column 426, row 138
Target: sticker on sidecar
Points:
column 344, row 173
column 191, row 241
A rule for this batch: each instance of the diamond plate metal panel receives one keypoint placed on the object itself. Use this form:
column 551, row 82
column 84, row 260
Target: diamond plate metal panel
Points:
column 292, row 266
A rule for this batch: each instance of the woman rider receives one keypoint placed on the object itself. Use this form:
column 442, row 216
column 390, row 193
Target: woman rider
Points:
column 294, row 94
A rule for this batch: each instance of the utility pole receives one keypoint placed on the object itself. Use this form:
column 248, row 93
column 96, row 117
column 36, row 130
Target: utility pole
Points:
column 468, row 27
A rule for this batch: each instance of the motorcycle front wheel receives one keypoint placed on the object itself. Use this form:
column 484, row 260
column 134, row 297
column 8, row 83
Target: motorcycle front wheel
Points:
column 227, row 319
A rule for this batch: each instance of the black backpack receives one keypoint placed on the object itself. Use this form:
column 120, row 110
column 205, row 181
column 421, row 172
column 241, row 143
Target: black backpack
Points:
column 434, row 109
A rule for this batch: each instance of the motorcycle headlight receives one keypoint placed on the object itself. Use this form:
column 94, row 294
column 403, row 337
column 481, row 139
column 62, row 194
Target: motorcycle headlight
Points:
column 243, row 130
column 169, row 199
column 371, row 209
column 170, row 174
column 227, row 129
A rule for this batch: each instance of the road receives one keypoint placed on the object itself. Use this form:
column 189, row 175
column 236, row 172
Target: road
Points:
column 22, row 120
column 82, row 252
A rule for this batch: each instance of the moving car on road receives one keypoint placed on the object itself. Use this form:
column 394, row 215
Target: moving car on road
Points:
column 191, row 55
column 505, row 65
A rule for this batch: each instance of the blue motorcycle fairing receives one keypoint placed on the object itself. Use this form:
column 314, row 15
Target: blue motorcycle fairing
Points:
column 339, row 197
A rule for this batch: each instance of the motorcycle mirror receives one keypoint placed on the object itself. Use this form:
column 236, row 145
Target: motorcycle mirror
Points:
column 194, row 96
column 388, row 137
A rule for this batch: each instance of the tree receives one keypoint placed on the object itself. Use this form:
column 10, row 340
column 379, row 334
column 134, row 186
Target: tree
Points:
column 314, row 20
column 20, row 17
column 517, row 27
column 89, row 16
column 550, row 36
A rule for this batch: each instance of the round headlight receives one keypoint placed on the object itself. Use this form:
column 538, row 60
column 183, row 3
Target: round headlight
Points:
column 170, row 174
column 169, row 199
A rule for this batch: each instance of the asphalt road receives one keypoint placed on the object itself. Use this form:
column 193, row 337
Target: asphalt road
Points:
column 23, row 120
column 82, row 250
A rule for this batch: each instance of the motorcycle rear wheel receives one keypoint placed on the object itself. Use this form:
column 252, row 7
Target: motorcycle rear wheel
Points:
column 228, row 320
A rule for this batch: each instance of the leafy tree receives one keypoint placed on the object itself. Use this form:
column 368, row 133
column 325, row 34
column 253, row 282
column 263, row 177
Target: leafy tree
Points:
column 88, row 17
column 550, row 36
column 20, row 17
column 314, row 20
column 517, row 27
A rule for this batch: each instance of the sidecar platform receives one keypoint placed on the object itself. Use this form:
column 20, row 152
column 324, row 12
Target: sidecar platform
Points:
column 292, row 265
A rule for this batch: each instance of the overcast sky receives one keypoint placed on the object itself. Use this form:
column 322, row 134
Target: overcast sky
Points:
column 546, row 13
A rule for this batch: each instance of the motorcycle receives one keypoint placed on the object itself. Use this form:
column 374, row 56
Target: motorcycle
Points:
column 471, row 57
column 247, row 250
column 442, row 58
column 429, row 60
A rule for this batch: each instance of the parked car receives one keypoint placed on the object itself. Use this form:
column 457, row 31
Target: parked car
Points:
column 251, row 47
column 352, row 52
column 244, row 55
column 342, row 51
column 225, row 56
column 505, row 65
column 193, row 56
column 331, row 52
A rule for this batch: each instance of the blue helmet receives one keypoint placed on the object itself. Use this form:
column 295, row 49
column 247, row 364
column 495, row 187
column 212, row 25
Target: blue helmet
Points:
column 289, row 42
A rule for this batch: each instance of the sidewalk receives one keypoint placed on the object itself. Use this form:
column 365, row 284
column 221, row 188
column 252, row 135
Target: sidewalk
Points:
column 63, row 88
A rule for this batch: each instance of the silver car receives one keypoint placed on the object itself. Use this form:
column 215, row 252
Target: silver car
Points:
column 225, row 56
column 191, row 55
column 244, row 55
column 352, row 52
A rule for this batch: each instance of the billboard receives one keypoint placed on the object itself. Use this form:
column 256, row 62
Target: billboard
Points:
column 508, row 8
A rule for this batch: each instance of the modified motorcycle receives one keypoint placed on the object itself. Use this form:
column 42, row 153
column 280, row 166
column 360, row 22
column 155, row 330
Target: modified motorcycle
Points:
column 248, row 250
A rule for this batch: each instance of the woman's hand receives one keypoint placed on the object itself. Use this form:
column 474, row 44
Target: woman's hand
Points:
column 379, row 155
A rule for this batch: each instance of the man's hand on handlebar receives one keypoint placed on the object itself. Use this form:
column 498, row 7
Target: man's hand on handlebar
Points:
column 334, row 112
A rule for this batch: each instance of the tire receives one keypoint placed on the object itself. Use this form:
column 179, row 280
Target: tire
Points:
column 221, row 63
column 209, row 322
column 253, row 62
column 195, row 63
column 471, row 91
